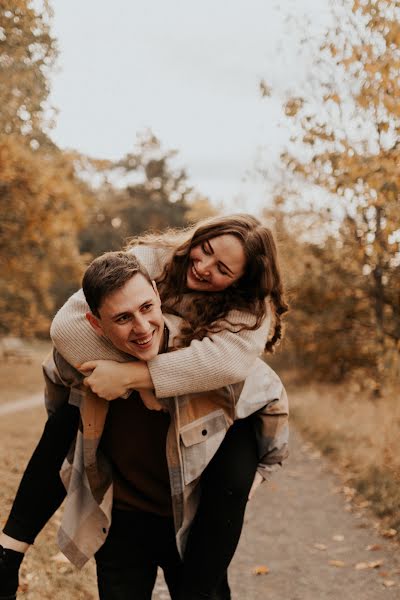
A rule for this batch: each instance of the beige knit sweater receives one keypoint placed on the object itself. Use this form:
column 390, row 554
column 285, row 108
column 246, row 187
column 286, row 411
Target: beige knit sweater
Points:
column 221, row 359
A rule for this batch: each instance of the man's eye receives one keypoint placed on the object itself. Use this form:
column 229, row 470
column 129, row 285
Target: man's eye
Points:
column 122, row 319
column 147, row 307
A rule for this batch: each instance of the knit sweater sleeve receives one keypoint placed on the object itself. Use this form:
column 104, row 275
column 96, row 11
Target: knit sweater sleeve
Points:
column 221, row 359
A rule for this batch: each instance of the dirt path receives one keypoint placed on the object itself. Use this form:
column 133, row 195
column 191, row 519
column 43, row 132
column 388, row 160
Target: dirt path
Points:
column 304, row 507
column 19, row 405
column 294, row 526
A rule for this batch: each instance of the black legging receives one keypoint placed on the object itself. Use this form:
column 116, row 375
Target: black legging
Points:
column 218, row 523
column 216, row 529
column 41, row 490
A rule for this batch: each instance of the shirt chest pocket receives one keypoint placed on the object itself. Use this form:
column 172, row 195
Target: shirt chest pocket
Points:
column 199, row 442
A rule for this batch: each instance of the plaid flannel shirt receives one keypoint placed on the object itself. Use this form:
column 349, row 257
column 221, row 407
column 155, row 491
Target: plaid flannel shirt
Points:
column 198, row 425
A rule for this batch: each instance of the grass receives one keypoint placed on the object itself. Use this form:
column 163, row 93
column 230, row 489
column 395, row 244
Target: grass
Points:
column 43, row 577
column 360, row 435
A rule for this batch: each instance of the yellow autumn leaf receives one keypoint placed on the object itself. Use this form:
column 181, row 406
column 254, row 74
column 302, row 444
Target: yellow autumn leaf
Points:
column 337, row 563
column 261, row 570
column 389, row 533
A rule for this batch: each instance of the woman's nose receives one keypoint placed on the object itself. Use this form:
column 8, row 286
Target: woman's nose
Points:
column 204, row 267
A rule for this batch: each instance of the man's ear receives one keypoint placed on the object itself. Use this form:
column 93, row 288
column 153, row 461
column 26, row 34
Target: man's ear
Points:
column 155, row 289
column 95, row 323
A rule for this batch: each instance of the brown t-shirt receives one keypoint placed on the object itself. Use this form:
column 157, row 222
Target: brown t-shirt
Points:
column 134, row 439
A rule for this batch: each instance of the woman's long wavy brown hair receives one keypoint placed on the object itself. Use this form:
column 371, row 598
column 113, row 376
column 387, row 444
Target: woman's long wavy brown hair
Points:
column 261, row 279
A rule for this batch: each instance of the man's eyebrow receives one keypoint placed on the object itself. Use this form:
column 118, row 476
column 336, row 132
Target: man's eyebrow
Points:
column 129, row 312
column 121, row 314
column 220, row 261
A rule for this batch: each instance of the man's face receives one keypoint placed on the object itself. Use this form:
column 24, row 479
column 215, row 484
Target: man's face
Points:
column 131, row 319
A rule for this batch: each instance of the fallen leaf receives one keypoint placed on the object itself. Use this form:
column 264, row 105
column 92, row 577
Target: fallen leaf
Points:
column 60, row 557
column 338, row 538
column 320, row 546
column 336, row 563
column 384, row 574
column 363, row 504
column 361, row 566
column 349, row 491
column 374, row 547
column 375, row 564
column 261, row 570
column 389, row 533
column 389, row 583
column 64, row 569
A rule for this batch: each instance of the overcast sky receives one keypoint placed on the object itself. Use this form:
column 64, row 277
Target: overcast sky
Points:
column 189, row 71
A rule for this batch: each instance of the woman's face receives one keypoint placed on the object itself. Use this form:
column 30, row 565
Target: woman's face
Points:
column 215, row 264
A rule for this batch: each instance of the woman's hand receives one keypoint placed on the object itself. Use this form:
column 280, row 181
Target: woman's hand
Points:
column 150, row 401
column 108, row 379
column 258, row 479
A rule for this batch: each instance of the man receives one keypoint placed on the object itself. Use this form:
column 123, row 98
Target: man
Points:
column 142, row 465
column 125, row 308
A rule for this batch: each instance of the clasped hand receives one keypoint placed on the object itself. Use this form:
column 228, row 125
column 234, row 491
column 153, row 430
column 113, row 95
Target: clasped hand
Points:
column 110, row 380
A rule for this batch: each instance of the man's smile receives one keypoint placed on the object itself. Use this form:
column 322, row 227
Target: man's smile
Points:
column 143, row 342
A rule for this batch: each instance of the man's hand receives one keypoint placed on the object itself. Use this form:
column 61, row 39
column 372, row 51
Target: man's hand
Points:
column 108, row 378
column 256, row 483
column 150, row 401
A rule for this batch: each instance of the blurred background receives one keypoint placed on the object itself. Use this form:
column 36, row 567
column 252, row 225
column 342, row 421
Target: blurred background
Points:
column 117, row 120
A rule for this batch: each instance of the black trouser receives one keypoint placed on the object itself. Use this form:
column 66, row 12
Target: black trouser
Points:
column 216, row 528
column 41, row 490
column 137, row 543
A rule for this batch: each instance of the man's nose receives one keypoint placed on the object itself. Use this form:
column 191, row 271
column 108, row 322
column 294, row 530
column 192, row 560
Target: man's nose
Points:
column 141, row 326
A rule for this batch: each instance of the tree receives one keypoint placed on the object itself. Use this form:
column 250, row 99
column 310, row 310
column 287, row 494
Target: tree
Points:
column 149, row 193
column 43, row 206
column 27, row 53
column 350, row 127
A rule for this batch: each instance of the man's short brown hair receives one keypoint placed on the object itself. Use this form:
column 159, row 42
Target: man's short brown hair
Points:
column 108, row 273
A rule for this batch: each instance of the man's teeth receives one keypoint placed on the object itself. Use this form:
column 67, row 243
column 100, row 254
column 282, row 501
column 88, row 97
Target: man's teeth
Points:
column 196, row 275
column 143, row 342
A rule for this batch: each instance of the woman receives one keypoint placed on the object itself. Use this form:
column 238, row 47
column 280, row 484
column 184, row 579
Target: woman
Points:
column 222, row 276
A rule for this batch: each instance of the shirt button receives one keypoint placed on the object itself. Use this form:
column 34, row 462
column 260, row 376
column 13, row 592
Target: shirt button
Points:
column 204, row 432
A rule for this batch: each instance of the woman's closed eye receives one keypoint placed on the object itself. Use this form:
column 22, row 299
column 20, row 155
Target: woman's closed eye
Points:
column 222, row 270
column 206, row 249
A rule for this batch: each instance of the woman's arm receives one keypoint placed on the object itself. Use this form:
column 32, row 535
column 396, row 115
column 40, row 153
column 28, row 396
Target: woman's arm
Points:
column 221, row 359
column 214, row 362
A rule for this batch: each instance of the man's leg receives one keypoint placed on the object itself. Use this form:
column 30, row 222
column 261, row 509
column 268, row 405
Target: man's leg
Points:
column 216, row 529
column 168, row 557
column 39, row 495
column 137, row 543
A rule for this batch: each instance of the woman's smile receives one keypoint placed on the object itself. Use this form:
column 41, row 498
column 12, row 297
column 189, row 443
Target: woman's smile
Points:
column 215, row 264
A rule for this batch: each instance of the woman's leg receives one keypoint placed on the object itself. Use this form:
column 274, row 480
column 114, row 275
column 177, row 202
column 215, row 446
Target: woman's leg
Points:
column 39, row 495
column 216, row 529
